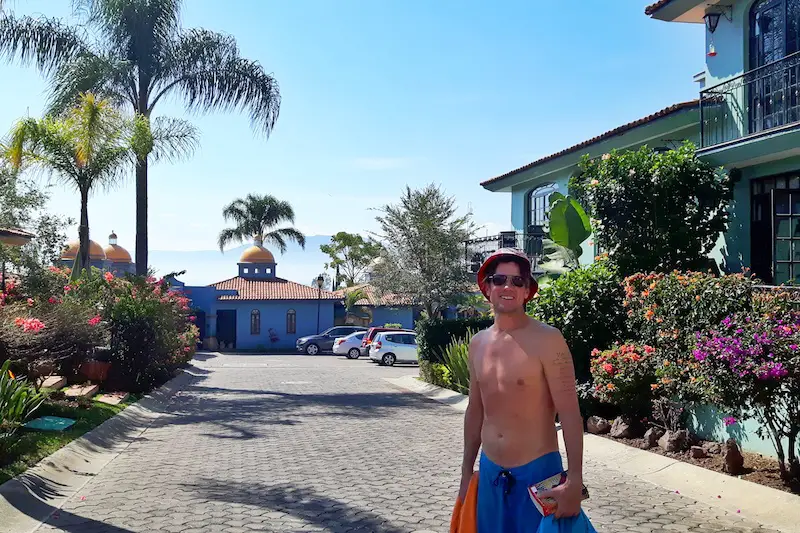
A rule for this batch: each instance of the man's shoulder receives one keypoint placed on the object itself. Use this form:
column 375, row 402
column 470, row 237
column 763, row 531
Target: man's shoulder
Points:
column 542, row 329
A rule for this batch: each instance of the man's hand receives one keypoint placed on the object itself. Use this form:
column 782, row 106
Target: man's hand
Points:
column 462, row 491
column 567, row 497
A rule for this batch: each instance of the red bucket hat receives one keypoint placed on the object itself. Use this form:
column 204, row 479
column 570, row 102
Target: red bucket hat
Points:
column 506, row 253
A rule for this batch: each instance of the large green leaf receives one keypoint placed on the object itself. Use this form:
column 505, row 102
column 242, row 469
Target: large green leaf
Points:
column 569, row 224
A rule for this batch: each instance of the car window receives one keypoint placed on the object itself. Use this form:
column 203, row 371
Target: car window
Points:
column 359, row 336
column 409, row 339
column 390, row 338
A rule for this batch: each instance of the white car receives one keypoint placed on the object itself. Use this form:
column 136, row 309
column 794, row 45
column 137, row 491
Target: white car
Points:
column 392, row 347
column 350, row 345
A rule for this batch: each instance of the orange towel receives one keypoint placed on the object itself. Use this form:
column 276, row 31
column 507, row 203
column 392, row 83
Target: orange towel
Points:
column 464, row 519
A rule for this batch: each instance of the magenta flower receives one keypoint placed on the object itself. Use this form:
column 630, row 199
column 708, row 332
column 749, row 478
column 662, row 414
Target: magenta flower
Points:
column 729, row 421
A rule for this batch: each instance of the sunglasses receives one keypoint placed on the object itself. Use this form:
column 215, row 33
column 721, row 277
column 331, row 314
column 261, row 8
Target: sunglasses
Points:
column 500, row 280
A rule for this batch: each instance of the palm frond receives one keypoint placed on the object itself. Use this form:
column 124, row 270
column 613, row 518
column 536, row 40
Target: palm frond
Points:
column 173, row 139
column 277, row 239
column 207, row 69
column 228, row 236
column 45, row 42
column 288, row 234
column 107, row 77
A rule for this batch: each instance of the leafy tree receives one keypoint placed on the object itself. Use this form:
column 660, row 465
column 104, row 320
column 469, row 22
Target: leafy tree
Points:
column 655, row 211
column 424, row 249
column 86, row 149
column 255, row 217
column 351, row 254
column 136, row 53
column 327, row 283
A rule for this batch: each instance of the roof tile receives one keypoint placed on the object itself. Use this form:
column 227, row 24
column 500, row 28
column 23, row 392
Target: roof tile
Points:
column 270, row 289
column 652, row 8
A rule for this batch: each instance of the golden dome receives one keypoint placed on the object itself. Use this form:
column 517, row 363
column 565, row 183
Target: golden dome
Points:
column 95, row 251
column 257, row 254
column 117, row 254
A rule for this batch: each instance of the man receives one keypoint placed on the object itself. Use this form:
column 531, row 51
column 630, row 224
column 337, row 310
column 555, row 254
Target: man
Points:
column 521, row 375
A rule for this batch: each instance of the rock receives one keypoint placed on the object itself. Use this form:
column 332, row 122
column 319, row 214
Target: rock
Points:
column 113, row 398
column 54, row 382
column 697, row 452
column 674, row 441
column 651, row 437
column 597, row 425
column 734, row 460
column 81, row 391
column 623, row 429
column 713, row 448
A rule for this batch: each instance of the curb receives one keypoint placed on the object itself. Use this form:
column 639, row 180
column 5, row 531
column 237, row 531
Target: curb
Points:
column 771, row 507
column 29, row 499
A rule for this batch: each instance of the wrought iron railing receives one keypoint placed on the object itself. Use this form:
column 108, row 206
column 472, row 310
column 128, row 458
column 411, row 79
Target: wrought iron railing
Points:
column 477, row 250
column 756, row 102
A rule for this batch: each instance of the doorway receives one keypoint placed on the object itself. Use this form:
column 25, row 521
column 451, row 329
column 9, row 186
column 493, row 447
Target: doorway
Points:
column 226, row 329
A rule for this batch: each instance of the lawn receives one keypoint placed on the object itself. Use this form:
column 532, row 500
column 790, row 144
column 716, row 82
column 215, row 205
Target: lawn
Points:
column 33, row 446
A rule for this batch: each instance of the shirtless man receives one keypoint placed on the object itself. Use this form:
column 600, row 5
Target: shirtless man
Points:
column 521, row 375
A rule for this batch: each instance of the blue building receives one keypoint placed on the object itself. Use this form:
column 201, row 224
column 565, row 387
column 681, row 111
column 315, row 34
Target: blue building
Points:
column 257, row 310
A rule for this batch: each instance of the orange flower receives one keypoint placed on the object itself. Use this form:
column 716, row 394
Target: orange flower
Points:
column 11, row 375
column 649, row 314
column 697, row 297
column 666, row 363
column 666, row 381
column 610, row 386
column 654, row 386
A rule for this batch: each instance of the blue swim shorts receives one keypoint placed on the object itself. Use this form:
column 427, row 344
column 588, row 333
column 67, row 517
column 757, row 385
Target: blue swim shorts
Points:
column 504, row 505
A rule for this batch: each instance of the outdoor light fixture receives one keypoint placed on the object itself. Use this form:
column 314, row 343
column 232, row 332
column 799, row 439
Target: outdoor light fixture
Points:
column 712, row 19
column 320, row 283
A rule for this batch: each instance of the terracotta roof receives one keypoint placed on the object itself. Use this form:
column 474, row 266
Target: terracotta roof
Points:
column 611, row 133
column 652, row 8
column 374, row 298
column 15, row 232
column 270, row 289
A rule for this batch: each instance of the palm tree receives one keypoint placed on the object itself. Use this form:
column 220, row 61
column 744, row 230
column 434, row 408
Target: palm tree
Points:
column 138, row 56
column 255, row 217
column 87, row 148
column 351, row 299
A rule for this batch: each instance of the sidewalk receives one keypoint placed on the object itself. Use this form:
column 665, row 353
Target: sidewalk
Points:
column 730, row 495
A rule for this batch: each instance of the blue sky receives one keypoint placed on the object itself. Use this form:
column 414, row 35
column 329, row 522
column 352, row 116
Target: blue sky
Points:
column 382, row 94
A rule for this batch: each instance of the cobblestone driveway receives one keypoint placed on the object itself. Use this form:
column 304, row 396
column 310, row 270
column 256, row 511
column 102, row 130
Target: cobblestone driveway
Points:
column 295, row 443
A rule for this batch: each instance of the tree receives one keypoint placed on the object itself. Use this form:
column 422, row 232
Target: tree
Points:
column 424, row 246
column 255, row 217
column 327, row 283
column 86, row 149
column 135, row 53
column 351, row 255
column 655, row 211
column 353, row 311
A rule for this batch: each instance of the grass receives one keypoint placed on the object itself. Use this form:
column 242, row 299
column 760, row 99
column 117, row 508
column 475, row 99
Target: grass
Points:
column 33, row 446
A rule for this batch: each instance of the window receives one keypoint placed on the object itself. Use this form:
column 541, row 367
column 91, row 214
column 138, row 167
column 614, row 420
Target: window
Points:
column 539, row 204
column 775, row 228
column 255, row 322
column 246, row 270
column 256, row 271
column 291, row 321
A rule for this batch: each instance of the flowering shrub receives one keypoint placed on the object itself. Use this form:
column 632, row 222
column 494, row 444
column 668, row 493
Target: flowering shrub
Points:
column 752, row 369
column 623, row 376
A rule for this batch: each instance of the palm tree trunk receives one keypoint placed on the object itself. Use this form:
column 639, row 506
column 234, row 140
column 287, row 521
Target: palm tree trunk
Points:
column 83, row 231
column 141, row 217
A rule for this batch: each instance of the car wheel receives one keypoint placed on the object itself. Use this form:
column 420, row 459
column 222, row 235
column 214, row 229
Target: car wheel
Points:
column 312, row 349
column 354, row 353
column 388, row 359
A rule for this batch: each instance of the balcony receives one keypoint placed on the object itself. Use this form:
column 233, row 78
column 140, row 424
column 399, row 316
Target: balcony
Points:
column 477, row 250
column 757, row 103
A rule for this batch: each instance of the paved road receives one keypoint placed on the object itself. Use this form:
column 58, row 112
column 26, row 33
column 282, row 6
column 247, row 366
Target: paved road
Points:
column 296, row 443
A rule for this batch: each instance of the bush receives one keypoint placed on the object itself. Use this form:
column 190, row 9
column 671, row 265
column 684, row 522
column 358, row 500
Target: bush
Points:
column 586, row 305
column 752, row 366
column 666, row 310
column 435, row 373
column 18, row 400
column 434, row 334
column 654, row 211
column 623, row 376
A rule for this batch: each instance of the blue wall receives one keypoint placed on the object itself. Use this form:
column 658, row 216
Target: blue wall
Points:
column 393, row 315
column 707, row 423
column 273, row 315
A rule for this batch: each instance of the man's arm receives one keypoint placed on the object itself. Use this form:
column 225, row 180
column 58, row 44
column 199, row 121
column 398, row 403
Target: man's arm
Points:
column 473, row 417
column 559, row 372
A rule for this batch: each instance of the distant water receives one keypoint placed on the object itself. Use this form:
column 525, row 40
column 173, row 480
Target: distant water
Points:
column 204, row 267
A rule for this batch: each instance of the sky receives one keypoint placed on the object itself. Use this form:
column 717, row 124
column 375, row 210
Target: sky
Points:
column 380, row 95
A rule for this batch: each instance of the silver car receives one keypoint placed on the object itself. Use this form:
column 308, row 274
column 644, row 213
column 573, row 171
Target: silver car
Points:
column 350, row 345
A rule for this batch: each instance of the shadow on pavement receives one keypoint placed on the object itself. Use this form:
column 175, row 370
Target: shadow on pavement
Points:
column 299, row 502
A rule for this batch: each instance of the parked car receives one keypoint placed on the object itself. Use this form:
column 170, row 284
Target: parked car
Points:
column 350, row 346
column 390, row 347
column 314, row 344
column 372, row 332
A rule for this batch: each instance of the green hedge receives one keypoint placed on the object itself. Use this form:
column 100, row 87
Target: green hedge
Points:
column 433, row 335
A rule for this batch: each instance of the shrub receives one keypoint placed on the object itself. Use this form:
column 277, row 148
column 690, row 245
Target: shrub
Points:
column 623, row 376
column 434, row 334
column 752, row 366
column 435, row 373
column 654, row 211
column 456, row 357
column 666, row 310
column 586, row 305
column 18, row 400
column 393, row 325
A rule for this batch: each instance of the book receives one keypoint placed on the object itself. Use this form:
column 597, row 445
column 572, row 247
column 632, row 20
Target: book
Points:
column 547, row 506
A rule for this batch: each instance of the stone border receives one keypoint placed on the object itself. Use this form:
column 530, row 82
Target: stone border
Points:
column 29, row 499
column 771, row 507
